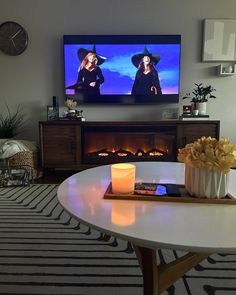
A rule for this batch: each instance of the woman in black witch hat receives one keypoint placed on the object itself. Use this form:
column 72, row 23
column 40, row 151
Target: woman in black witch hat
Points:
column 146, row 80
column 90, row 76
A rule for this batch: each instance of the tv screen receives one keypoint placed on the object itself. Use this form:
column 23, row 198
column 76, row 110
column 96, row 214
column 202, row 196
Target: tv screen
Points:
column 123, row 69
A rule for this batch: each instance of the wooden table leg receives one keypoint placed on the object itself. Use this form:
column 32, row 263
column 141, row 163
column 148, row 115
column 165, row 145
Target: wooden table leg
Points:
column 157, row 279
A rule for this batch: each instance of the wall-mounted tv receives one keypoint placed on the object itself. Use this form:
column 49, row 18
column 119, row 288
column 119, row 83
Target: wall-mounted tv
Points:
column 122, row 69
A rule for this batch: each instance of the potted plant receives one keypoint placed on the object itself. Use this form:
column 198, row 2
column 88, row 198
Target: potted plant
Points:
column 11, row 124
column 200, row 96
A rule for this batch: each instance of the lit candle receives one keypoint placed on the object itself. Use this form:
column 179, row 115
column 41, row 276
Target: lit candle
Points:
column 123, row 178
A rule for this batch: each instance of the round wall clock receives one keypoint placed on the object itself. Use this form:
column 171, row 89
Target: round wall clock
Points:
column 13, row 38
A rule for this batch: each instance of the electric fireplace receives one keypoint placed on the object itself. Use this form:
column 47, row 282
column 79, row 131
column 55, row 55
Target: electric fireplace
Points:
column 115, row 144
column 71, row 144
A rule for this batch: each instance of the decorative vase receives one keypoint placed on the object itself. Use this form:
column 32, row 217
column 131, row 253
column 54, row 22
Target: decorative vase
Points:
column 206, row 183
column 71, row 114
column 201, row 107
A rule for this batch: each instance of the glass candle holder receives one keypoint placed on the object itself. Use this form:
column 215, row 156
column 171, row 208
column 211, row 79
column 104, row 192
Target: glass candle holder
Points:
column 123, row 178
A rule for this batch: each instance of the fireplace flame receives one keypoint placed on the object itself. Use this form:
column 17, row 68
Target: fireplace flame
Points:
column 103, row 154
column 122, row 154
column 155, row 153
column 125, row 153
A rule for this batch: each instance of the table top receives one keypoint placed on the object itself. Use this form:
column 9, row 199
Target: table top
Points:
column 192, row 227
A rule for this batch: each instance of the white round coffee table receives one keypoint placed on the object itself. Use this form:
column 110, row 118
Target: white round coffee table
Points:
column 200, row 229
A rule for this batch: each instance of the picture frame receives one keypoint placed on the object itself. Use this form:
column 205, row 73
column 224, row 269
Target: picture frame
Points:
column 52, row 113
column 219, row 40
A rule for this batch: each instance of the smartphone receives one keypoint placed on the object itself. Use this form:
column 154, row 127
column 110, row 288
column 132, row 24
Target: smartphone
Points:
column 155, row 189
column 150, row 189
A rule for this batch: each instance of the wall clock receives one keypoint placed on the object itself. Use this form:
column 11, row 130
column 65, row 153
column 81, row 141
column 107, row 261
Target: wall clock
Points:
column 13, row 38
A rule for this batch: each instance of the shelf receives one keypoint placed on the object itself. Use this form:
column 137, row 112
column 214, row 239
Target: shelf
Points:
column 228, row 70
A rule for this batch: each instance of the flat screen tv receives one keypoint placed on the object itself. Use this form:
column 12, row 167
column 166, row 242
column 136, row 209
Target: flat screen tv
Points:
column 122, row 69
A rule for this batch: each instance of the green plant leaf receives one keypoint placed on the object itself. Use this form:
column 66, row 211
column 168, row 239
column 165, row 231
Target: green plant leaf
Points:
column 12, row 123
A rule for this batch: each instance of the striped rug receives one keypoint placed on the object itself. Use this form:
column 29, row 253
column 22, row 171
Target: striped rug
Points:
column 43, row 250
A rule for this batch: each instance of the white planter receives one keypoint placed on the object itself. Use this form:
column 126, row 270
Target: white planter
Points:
column 201, row 107
column 206, row 183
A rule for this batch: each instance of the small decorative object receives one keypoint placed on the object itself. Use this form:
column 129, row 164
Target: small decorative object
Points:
column 53, row 110
column 230, row 69
column 72, row 113
column 71, row 104
column 195, row 112
column 187, row 109
column 52, row 113
column 207, row 165
column 123, row 178
column 79, row 115
column 200, row 96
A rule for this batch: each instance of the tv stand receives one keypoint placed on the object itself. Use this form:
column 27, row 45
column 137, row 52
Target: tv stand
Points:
column 62, row 143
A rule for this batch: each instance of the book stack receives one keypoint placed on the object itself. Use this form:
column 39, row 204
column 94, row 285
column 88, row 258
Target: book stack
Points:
column 193, row 118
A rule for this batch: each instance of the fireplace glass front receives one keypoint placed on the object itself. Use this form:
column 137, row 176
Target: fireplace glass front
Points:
column 106, row 145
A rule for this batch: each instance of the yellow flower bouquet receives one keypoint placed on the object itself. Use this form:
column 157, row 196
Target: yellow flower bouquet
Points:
column 207, row 163
column 209, row 153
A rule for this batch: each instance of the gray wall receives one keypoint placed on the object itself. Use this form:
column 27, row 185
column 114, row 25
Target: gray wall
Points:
column 32, row 78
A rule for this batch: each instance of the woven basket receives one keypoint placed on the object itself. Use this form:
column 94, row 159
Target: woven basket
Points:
column 28, row 160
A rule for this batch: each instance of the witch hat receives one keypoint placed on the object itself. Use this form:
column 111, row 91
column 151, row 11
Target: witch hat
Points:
column 82, row 52
column 137, row 58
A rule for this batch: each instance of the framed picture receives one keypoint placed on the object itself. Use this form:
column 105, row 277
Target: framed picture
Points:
column 52, row 113
column 219, row 40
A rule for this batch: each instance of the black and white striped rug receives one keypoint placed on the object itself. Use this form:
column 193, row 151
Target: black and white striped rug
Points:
column 43, row 250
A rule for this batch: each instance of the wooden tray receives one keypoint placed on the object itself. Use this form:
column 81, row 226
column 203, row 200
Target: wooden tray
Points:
column 184, row 197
